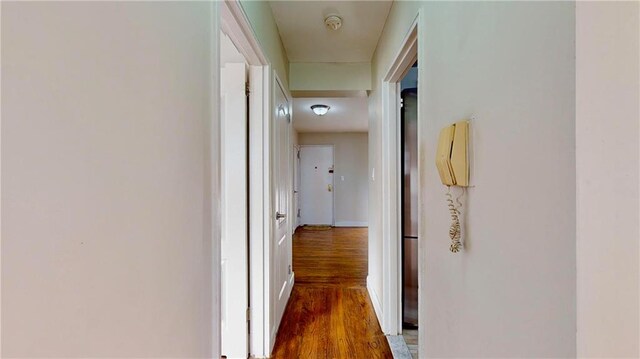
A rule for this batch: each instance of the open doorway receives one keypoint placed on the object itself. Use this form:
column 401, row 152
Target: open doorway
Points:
column 333, row 157
column 409, row 207
column 401, row 194
column 329, row 312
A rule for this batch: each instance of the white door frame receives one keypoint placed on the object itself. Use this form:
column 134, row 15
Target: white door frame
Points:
column 333, row 181
column 235, row 216
column 235, row 24
column 408, row 54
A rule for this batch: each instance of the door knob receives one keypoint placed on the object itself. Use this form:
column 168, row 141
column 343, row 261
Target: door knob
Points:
column 280, row 215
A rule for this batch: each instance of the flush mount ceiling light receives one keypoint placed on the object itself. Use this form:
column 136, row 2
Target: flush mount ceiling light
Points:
column 320, row 110
column 334, row 22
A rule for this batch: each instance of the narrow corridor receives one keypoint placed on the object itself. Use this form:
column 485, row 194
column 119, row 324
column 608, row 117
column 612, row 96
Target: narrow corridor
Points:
column 329, row 314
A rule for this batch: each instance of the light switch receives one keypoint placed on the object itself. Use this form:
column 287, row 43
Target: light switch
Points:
column 342, row 178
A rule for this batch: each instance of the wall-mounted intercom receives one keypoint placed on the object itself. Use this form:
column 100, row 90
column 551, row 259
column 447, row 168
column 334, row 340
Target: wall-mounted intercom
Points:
column 452, row 156
column 452, row 161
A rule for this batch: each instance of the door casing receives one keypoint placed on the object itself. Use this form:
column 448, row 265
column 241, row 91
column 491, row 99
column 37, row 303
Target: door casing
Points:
column 234, row 22
column 389, row 309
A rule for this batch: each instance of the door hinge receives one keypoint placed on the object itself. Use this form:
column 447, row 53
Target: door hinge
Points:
column 401, row 102
column 298, row 212
column 248, row 314
column 247, row 89
column 289, row 268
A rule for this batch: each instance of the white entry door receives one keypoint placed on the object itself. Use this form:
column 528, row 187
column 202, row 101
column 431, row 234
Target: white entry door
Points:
column 316, row 185
column 234, row 211
column 282, row 177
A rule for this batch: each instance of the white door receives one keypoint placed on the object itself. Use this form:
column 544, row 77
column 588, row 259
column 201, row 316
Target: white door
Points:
column 316, row 185
column 234, row 211
column 282, row 175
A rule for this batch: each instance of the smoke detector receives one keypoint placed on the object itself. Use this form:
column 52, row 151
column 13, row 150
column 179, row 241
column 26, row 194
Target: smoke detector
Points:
column 333, row 22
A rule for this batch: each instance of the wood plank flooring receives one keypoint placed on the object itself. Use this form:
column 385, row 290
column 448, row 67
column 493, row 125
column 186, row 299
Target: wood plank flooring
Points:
column 329, row 314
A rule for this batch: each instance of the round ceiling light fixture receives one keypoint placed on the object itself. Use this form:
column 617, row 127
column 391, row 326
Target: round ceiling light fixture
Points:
column 320, row 110
column 333, row 22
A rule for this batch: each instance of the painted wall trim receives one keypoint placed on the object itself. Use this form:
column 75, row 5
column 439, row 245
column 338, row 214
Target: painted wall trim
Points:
column 259, row 187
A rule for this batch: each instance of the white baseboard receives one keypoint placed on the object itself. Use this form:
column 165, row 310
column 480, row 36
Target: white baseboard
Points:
column 352, row 224
column 375, row 300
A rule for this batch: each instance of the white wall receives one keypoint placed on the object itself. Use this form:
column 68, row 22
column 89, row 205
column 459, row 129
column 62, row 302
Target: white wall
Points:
column 108, row 136
column 352, row 76
column 608, row 95
column 350, row 154
column 266, row 32
column 511, row 292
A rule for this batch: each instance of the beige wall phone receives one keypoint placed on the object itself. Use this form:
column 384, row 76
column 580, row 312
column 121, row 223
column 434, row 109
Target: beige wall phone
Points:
column 452, row 161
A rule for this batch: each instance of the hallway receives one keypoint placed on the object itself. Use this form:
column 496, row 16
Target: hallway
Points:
column 152, row 178
column 329, row 314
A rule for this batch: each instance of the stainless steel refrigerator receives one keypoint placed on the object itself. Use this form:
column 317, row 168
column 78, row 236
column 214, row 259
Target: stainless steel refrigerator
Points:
column 409, row 128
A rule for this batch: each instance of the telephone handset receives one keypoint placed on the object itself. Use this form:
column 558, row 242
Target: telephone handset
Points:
column 453, row 166
column 451, row 158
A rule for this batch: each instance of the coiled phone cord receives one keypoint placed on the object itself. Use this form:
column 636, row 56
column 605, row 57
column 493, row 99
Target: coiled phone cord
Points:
column 455, row 230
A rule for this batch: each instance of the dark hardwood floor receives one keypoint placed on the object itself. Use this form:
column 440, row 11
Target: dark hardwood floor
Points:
column 329, row 314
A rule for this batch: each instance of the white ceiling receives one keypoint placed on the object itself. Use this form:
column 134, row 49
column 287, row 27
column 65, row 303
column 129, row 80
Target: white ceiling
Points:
column 307, row 39
column 348, row 114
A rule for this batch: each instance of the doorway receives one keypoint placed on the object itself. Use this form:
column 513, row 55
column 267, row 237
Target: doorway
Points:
column 316, row 185
column 245, row 298
column 400, row 249
column 409, row 207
